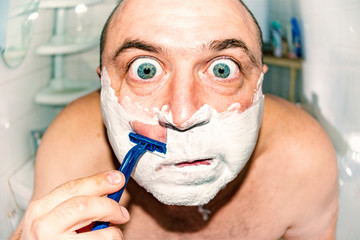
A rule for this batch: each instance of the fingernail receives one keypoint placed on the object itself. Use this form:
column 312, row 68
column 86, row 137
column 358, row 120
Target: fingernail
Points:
column 125, row 212
column 114, row 177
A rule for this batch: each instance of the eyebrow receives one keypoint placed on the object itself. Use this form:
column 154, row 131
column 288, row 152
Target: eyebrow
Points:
column 232, row 43
column 215, row 45
column 137, row 44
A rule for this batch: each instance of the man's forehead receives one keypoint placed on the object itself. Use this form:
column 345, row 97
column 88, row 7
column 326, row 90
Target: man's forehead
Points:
column 182, row 23
column 172, row 10
column 145, row 4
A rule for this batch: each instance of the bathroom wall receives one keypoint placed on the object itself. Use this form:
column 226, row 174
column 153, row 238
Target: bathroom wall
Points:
column 18, row 112
column 329, row 88
column 329, row 82
column 331, row 67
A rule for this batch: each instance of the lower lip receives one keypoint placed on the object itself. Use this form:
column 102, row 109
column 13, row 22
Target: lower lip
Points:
column 195, row 163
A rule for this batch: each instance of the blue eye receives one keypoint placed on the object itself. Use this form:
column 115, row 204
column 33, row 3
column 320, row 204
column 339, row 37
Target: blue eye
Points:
column 146, row 71
column 223, row 68
column 145, row 68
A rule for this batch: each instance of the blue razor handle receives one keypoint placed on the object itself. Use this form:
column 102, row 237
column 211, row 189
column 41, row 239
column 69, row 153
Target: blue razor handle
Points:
column 143, row 144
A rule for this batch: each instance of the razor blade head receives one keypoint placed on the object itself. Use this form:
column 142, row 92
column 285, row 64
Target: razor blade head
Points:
column 151, row 144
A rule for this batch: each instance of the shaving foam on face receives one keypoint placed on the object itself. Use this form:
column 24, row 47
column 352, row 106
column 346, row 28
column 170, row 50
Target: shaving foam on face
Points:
column 224, row 141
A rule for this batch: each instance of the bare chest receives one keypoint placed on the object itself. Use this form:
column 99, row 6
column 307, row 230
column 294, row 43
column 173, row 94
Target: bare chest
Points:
column 250, row 214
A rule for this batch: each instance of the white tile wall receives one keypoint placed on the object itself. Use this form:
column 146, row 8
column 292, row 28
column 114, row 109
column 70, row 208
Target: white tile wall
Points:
column 330, row 85
column 282, row 11
column 331, row 78
column 331, row 68
column 260, row 9
column 18, row 112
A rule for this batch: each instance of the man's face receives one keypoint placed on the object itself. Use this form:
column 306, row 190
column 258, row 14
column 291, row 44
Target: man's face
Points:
column 177, row 56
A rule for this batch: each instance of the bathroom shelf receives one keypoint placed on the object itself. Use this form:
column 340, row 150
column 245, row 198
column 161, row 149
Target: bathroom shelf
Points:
column 293, row 64
column 13, row 54
column 63, row 91
column 67, row 47
column 66, row 3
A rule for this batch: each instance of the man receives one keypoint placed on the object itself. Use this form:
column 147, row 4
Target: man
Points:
column 187, row 73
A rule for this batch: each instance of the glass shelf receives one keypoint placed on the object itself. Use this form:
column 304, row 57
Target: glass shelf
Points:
column 66, row 3
column 60, row 92
column 67, row 47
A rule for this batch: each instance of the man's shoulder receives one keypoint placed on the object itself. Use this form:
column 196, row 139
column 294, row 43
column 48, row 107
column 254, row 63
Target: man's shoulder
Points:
column 291, row 128
column 80, row 120
column 302, row 153
column 298, row 146
column 83, row 107
column 295, row 135
column 74, row 144
column 81, row 125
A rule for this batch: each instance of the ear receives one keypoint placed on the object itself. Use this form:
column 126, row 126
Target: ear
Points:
column 98, row 70
column 265, row 68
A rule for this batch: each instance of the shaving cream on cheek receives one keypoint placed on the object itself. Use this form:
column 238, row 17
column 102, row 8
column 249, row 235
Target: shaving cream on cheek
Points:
column 203, row 155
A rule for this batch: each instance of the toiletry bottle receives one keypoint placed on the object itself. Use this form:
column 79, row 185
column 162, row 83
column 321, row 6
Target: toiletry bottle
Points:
column 276, row 38
column 296, row 37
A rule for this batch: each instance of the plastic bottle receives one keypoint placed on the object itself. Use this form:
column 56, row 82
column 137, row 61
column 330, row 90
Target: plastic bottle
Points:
column 296, row 37
column 276, row 38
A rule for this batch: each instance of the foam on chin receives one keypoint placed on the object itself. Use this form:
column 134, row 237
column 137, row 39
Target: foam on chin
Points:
column 227, row 138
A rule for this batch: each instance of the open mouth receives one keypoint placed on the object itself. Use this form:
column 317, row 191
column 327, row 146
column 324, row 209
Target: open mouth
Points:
column 189, row 163
column 194, row 163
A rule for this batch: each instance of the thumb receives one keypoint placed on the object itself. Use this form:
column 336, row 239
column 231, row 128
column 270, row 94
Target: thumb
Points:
column 97, row 185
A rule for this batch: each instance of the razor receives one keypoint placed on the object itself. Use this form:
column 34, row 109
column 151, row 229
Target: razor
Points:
column 142, row 144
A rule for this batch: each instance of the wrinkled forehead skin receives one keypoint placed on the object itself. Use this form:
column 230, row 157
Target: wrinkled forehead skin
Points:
column 181, row 24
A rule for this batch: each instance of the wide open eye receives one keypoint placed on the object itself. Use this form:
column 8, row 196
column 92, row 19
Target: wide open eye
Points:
column 145, row 69
column 223, row 69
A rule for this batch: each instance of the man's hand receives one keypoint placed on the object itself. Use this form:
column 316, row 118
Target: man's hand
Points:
column 75, row 205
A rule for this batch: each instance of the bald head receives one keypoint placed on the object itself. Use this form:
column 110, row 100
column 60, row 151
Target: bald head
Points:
column 121, row 3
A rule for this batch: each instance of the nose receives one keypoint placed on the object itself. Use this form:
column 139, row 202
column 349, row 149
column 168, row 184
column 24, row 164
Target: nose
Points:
column 184, row 100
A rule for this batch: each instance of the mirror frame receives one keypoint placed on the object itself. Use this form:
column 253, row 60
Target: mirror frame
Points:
column 20, row 24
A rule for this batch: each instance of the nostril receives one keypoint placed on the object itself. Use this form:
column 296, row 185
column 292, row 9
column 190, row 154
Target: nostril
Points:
column 182, row 127
column 201, row 117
